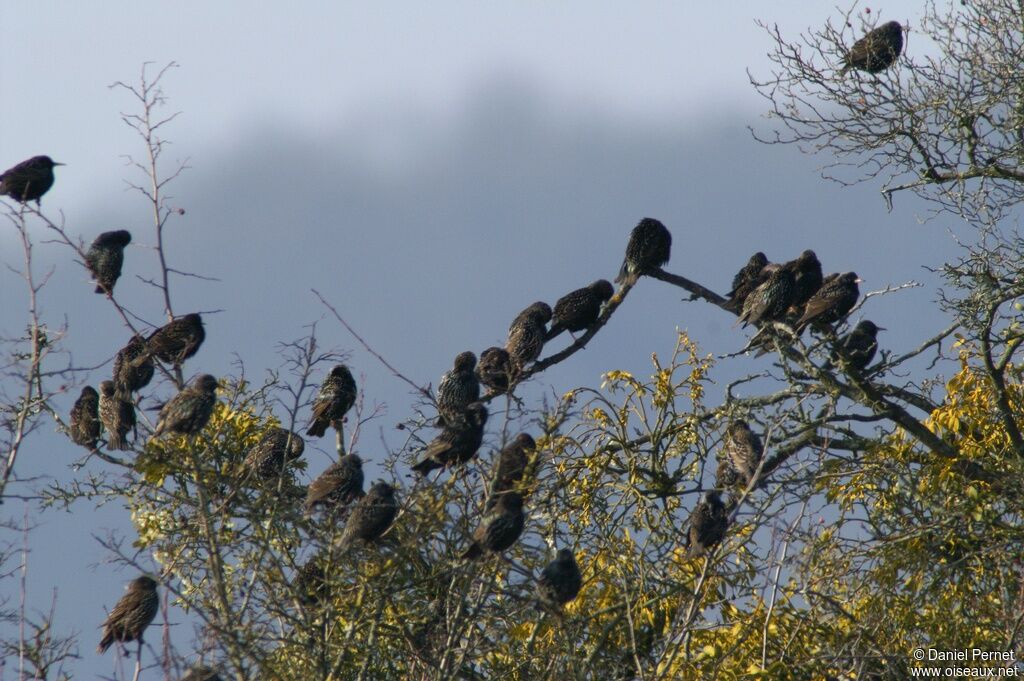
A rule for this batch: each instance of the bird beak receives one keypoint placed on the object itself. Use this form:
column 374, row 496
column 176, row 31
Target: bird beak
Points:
column 858, row 281
column 59, row 164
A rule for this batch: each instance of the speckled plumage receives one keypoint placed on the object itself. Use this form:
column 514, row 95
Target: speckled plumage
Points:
column 769, row 301
column 28, row 180
column 132, row 614
column 177, row 340
column 649, row 247
column 337, row 395
column 560, row 581
column 742, row 450
column 500, row 527
column 457, row 443
column 707, row 525
column 371, row 516
column 746, row 280
column 579, row 309
column 85, row 418
column 877, row 50
column 188, row 412
column 338, row 486
column 857, row 348
column 493, row 369
column 540, row 312
column 807, row 278
column 133, row 367
column 832, row 302
column 278, row 446
column 458, row 387
column 117, row 415
column 525, row 343
column 511, row 465
column 105, row 258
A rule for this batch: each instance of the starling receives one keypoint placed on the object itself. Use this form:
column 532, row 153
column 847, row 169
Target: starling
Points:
column 560, row 581
column 188, row 412
column 743, row 451
column 858, row 347
column 707, row 526
column 877, row 50
column 539, row 311
column 832, row 302
column 649, row 247
column 178, row 340
column 337, row 395
column 132, row 614
column 769, row 301
column 525, row 343
column 311, row 581
column 105, row 257
column 85, row 418
column 133, row 368
column 746, row 280
column 579, row 309
column 117, row 415
column 807, row 278
column 511, row 466
column 457, row 443
column 201, row 673
column 493, row 369
column 458, row 387
column 28, row 180
column 276, row 448
column 499, row 528
column 371, row 516
column 338, row 486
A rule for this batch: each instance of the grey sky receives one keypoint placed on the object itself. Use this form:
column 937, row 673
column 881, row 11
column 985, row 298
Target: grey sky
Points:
column 431, row 170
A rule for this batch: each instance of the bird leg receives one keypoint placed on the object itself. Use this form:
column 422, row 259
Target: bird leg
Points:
column 339, row 429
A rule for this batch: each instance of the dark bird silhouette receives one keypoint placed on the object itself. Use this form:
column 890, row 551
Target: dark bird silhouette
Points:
column 337, row 395
column 877, row 50
column 177, row 340
column 117, row 415
column 190, row 410
column 338, row 486
column 105, row 258
column 769, row 301
column 741, row 454
column 807, row 278
column 28, row 180
column 278, row 446
column 133, row 367
column 511, row 466
column 540, row 312
column 458, row 387
column 500, row 527
column 132, row 614
column 858, row 347
column 85, row 418
column 371, row 516
column 832, row 302
column 579, row 309
column 560, row 581
column 493, row 369
column 311, row 580
column 457, row 443
column 201, row 674
column 525, row 343
column 708, row 524
column 746, row 280
column 649, row 247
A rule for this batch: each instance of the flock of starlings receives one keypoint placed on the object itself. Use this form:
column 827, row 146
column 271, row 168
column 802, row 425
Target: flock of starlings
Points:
column 781, row 299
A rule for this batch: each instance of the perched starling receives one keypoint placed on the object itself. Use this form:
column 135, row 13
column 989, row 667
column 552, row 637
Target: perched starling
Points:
column 500, row 527
column 832, row 302
column 743, row 451
column 511, row 465
column 276, row 448
column 311, row 581
column 579, row 309
column 371, row 516
column 178, row 340
column 540, row 312
column 458, row 387
column 338, row 486
column 132, row 614
column 28, row 180
column 525, row 343
column 117, row 415
column 858, row 347
column 133, row 368
column 493, row 369
column 877, row 50
column 457, row 443
column 337, row 395
column 201, row 673
column 707, row 526
column 806, row 278
column 85, row 418
column 188, row 412
column 746, row 280
column 105, row 257
column 649, row 247
column 560, row 581
column 769, row 301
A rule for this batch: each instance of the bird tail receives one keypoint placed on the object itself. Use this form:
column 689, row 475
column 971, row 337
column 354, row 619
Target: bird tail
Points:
column 117, row 441
column 424, row 467
column 473, row 552
column 105, row 642
column 625, row 275
column 100, row 289
column 318, row 428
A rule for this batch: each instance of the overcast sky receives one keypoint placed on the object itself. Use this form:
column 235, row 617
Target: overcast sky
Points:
column 431, row 169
